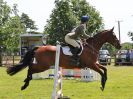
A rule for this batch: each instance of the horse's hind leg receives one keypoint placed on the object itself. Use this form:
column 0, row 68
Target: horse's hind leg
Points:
column 27, row 80
column 34, row 68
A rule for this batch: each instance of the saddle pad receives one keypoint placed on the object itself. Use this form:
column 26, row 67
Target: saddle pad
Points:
column 66, row 51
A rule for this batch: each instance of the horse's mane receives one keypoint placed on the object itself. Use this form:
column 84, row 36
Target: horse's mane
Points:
column 96, row 35
column 99, row 33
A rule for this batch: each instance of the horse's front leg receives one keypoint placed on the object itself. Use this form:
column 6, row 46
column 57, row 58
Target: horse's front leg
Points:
column 27, row 80
column 103, row 68
column 103, row 77
column 103, row 82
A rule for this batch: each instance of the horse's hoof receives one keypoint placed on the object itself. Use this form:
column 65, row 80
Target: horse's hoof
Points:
column 23, row 87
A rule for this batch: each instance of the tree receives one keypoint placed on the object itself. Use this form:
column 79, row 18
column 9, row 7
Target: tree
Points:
column 82, row 7
column 13, row 28
column 4, row 12
column 110, row 48
column 61, row 21
column 12, row 25
column 66, row 15
column 28, row 23
column 15, row 10
column 127, row 45
column 130, row 34
column 4, row 17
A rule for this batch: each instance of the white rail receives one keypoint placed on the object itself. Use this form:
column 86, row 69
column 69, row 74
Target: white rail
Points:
column 57, row 89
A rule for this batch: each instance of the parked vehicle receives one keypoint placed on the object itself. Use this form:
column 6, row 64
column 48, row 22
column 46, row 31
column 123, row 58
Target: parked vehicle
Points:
column 122, row 57
column 104, row 57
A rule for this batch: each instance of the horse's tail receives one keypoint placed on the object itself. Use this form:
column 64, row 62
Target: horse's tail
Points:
column 26, row 61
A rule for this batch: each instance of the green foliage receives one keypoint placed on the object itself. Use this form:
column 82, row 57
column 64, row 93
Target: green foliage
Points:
column 15, row 10
column 82, row 7
column 4, row 17
column 4, row 12
column 61, row 22
column 110, row 48
column 28, row 23
column 13, row 28
column 127, row 46
column 66, row 15
column 12, row 25
column 130, row 34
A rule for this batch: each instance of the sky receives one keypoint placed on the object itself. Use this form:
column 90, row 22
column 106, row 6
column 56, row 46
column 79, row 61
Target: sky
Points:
column 111, row 11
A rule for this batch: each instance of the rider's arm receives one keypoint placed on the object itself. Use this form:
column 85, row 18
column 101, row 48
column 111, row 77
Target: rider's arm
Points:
column 83, row 33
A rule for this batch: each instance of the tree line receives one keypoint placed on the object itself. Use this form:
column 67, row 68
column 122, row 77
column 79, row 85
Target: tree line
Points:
column 63, row 18
column 12, row 25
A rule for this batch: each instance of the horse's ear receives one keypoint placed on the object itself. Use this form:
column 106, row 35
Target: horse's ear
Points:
column 112, row 29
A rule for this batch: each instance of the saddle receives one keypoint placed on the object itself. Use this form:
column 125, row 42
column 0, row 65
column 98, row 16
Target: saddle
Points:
column 69, row 49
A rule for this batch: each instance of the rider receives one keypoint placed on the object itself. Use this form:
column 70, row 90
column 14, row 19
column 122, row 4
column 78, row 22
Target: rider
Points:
column 75, row 36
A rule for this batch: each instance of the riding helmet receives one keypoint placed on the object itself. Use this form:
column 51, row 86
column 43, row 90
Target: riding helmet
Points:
column 85, row 18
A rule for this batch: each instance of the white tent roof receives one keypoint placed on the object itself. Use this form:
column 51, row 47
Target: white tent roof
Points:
column 30, row 35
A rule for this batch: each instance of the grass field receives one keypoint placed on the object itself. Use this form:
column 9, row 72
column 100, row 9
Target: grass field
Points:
column 118, row 86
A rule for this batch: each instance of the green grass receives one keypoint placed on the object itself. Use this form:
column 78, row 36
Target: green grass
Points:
column 119, row 86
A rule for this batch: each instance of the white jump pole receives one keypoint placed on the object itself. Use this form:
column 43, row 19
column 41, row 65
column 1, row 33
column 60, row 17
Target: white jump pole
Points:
column 57, row 75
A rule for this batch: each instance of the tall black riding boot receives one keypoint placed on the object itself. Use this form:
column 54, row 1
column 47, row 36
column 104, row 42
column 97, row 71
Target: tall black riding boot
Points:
column 75, row 57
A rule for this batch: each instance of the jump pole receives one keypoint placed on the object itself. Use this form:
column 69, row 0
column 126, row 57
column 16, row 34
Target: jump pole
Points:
column 58, row 76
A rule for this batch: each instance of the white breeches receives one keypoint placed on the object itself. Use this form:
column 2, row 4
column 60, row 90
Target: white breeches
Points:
column 72, row 42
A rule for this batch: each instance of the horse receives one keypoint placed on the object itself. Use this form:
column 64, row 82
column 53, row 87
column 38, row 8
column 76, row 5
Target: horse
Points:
column 45, row 57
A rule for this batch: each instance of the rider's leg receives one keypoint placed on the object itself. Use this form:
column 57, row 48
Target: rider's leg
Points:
column 72, row 42
column 75, row 57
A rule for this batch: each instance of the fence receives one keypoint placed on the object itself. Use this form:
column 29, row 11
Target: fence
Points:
column 8, row 60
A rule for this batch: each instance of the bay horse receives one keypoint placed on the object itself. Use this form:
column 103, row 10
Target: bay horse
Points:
column 45, row 57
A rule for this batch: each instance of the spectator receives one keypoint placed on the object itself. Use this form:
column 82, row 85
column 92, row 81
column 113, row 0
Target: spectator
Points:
column 128, row 56
column 131, row 56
